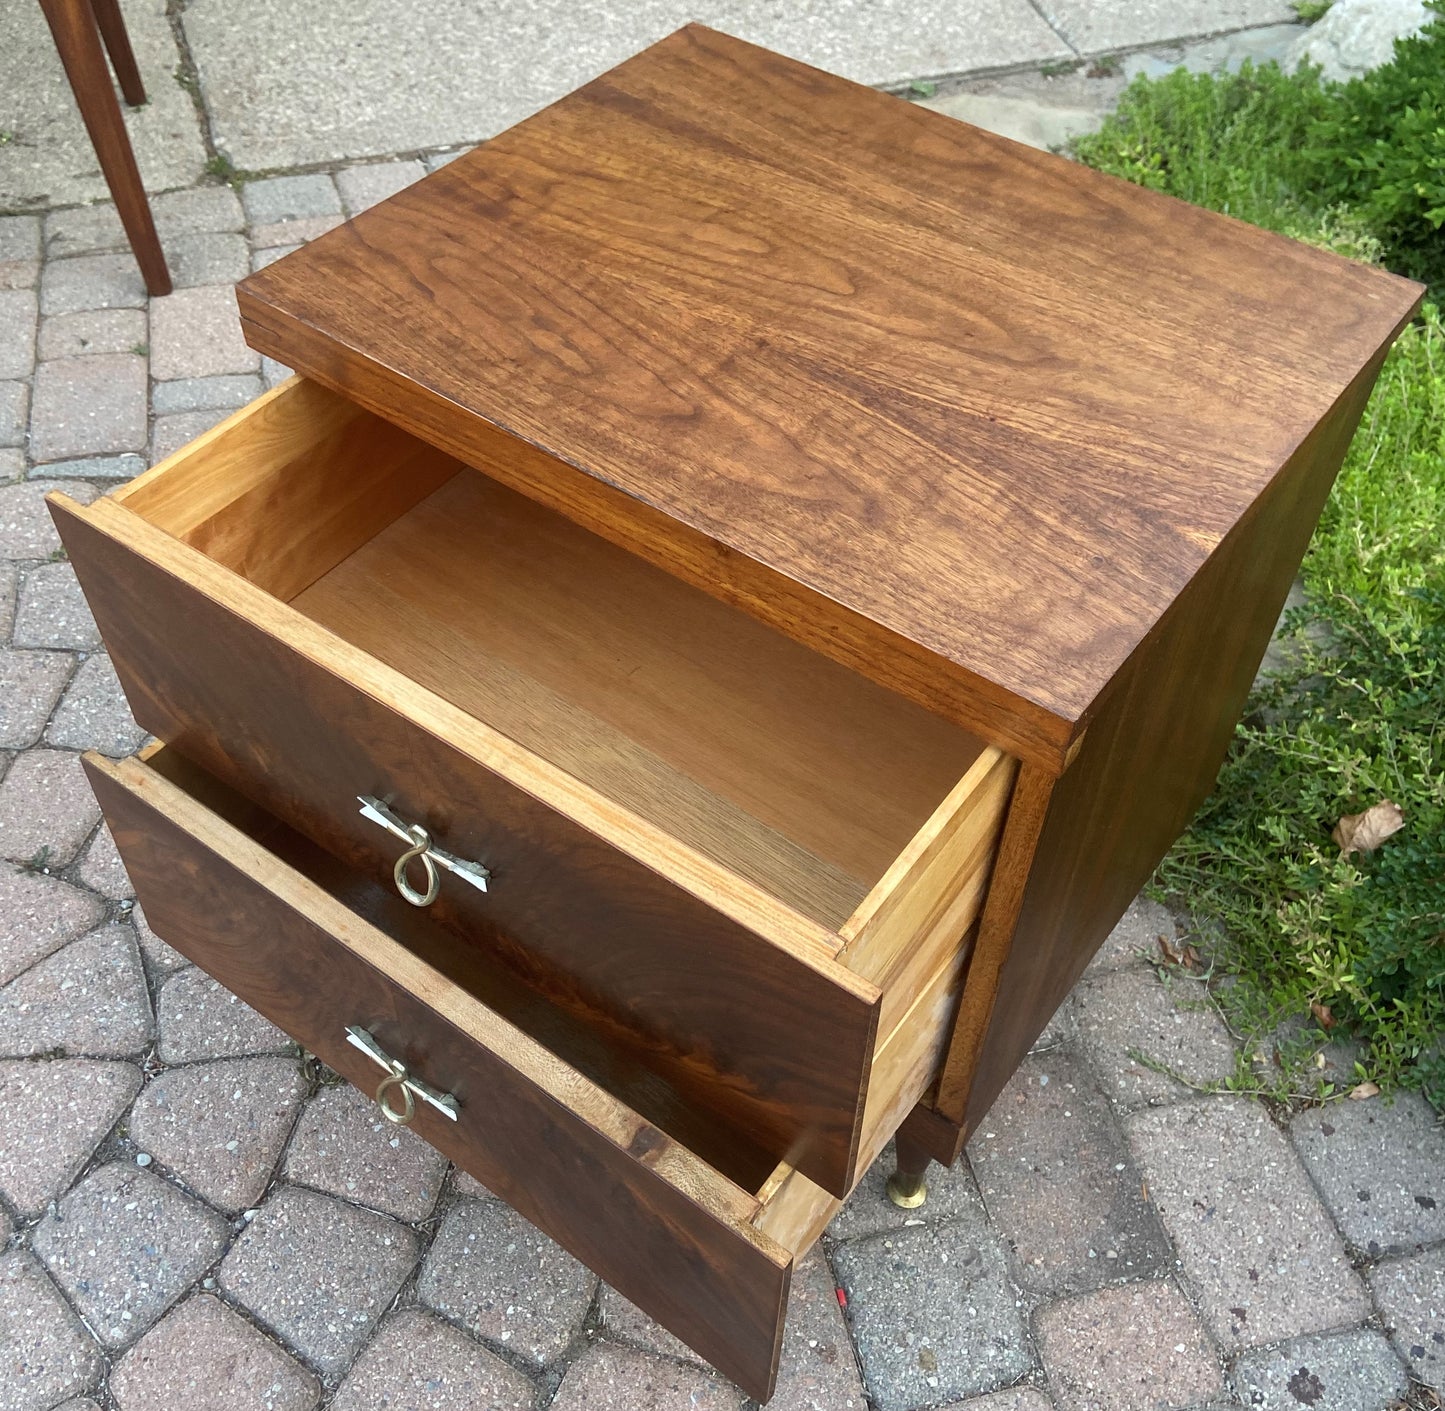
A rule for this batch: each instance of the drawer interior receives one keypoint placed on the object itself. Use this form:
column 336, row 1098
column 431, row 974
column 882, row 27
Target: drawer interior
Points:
column 791, row 771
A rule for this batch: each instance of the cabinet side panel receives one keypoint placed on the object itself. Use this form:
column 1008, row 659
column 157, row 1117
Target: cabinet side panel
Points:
column 1148, row 760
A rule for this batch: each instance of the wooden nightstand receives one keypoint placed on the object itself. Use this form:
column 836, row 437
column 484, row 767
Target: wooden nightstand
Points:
column 782, row 567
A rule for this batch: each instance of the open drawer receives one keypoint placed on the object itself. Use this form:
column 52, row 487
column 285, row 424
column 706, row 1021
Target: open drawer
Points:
column 505, row 1086
column 747, row 868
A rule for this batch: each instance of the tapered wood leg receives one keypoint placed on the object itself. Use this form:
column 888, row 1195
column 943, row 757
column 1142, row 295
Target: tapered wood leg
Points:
column 77, row 37
column 117, row 45
column 907, row 1187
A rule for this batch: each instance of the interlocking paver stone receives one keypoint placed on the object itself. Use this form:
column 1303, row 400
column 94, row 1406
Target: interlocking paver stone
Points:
column 14, row 405
column 1350, row 1371
column 817, row 1371
column 83, row 230
column 1058, row 1180
column 293, row 232
column 626, row 1322
column 208, row 257
column 437, row 160
column 30, row 684
column 935, row 1316
column 504, row 1281
column 1014, row 1399
column 319, row 1273
column 1135, row 940
column 200, row 209
column 89, row 406
column 92, row 331
column 261, row 258
column 124, row 1245
column 362, row 187
column 9, row 585
column 1131, row 1009
column 610, row 1377
column 121, row 467
column 420, row 1363
column 1410, row 1294
column 19, row 310
column 46, row 808
column 289, row 198
column 160, row 958
column 172, row 432
column 19, row 252
column 204, row 1356
column 102, row 869
column 197, row 333
column 1139, row 1347
column 94, row 714
column 1255, row 1242
column 200, row 1018
column 203, row 394
column 53, row 611
column 53, row 1115
column 1381, row 1170
column 88, row 998
column 91, row 282
column 220, row 1126
column 868, row 1210
column 38, row 915
column 345, row 1147
column 47, row 1355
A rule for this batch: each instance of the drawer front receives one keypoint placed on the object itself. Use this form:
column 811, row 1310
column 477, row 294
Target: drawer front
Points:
column 647, row 1215
column 777, row 1043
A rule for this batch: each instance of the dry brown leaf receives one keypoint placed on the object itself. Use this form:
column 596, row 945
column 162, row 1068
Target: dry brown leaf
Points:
column 1322, row 1013
column 1363, row 1090
column 1171, row 955
column 1192, row 958
column 1364, row 832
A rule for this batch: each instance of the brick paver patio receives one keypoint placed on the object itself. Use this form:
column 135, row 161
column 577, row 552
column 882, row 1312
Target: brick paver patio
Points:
column 193, row 1215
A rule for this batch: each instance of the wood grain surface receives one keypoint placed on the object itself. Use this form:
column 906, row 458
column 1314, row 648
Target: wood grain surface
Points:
column 794, row 772
column 1146, row 764
column 660, row 1225
column 973, row 397
column 732, row 998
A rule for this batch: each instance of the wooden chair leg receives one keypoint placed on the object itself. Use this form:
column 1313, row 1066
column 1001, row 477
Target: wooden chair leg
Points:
column 117, row 45
column 77, row 36
column 907, row 1187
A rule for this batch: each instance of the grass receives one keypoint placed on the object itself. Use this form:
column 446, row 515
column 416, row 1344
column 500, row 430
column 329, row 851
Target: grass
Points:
column 1318, row 945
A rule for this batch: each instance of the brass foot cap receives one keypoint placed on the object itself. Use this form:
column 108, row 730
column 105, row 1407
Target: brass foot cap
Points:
column 907, row 1192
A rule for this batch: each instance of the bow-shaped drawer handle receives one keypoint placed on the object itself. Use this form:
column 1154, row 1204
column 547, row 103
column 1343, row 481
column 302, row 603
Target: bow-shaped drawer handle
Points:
column 400, row 1081
column 420, row 848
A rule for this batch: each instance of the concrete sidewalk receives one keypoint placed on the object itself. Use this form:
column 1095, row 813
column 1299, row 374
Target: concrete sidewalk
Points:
column 193, row 1216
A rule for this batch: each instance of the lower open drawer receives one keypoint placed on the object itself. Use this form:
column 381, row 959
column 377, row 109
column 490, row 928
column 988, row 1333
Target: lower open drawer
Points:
column 589, row 1148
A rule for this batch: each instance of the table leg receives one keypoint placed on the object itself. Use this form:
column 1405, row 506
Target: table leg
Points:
column 117, row 45
column 907, row 1187
column 77, row 37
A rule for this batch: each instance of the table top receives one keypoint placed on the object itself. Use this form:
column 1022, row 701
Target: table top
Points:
column 995, row 403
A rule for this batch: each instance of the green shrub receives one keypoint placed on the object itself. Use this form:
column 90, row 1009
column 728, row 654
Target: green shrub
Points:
column 1380, row 147
column 1359, row 716
column 1232, row 142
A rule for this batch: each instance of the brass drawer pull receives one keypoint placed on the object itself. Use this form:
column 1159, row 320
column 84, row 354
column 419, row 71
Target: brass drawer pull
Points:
column 420, row 848
column 399, row 1080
